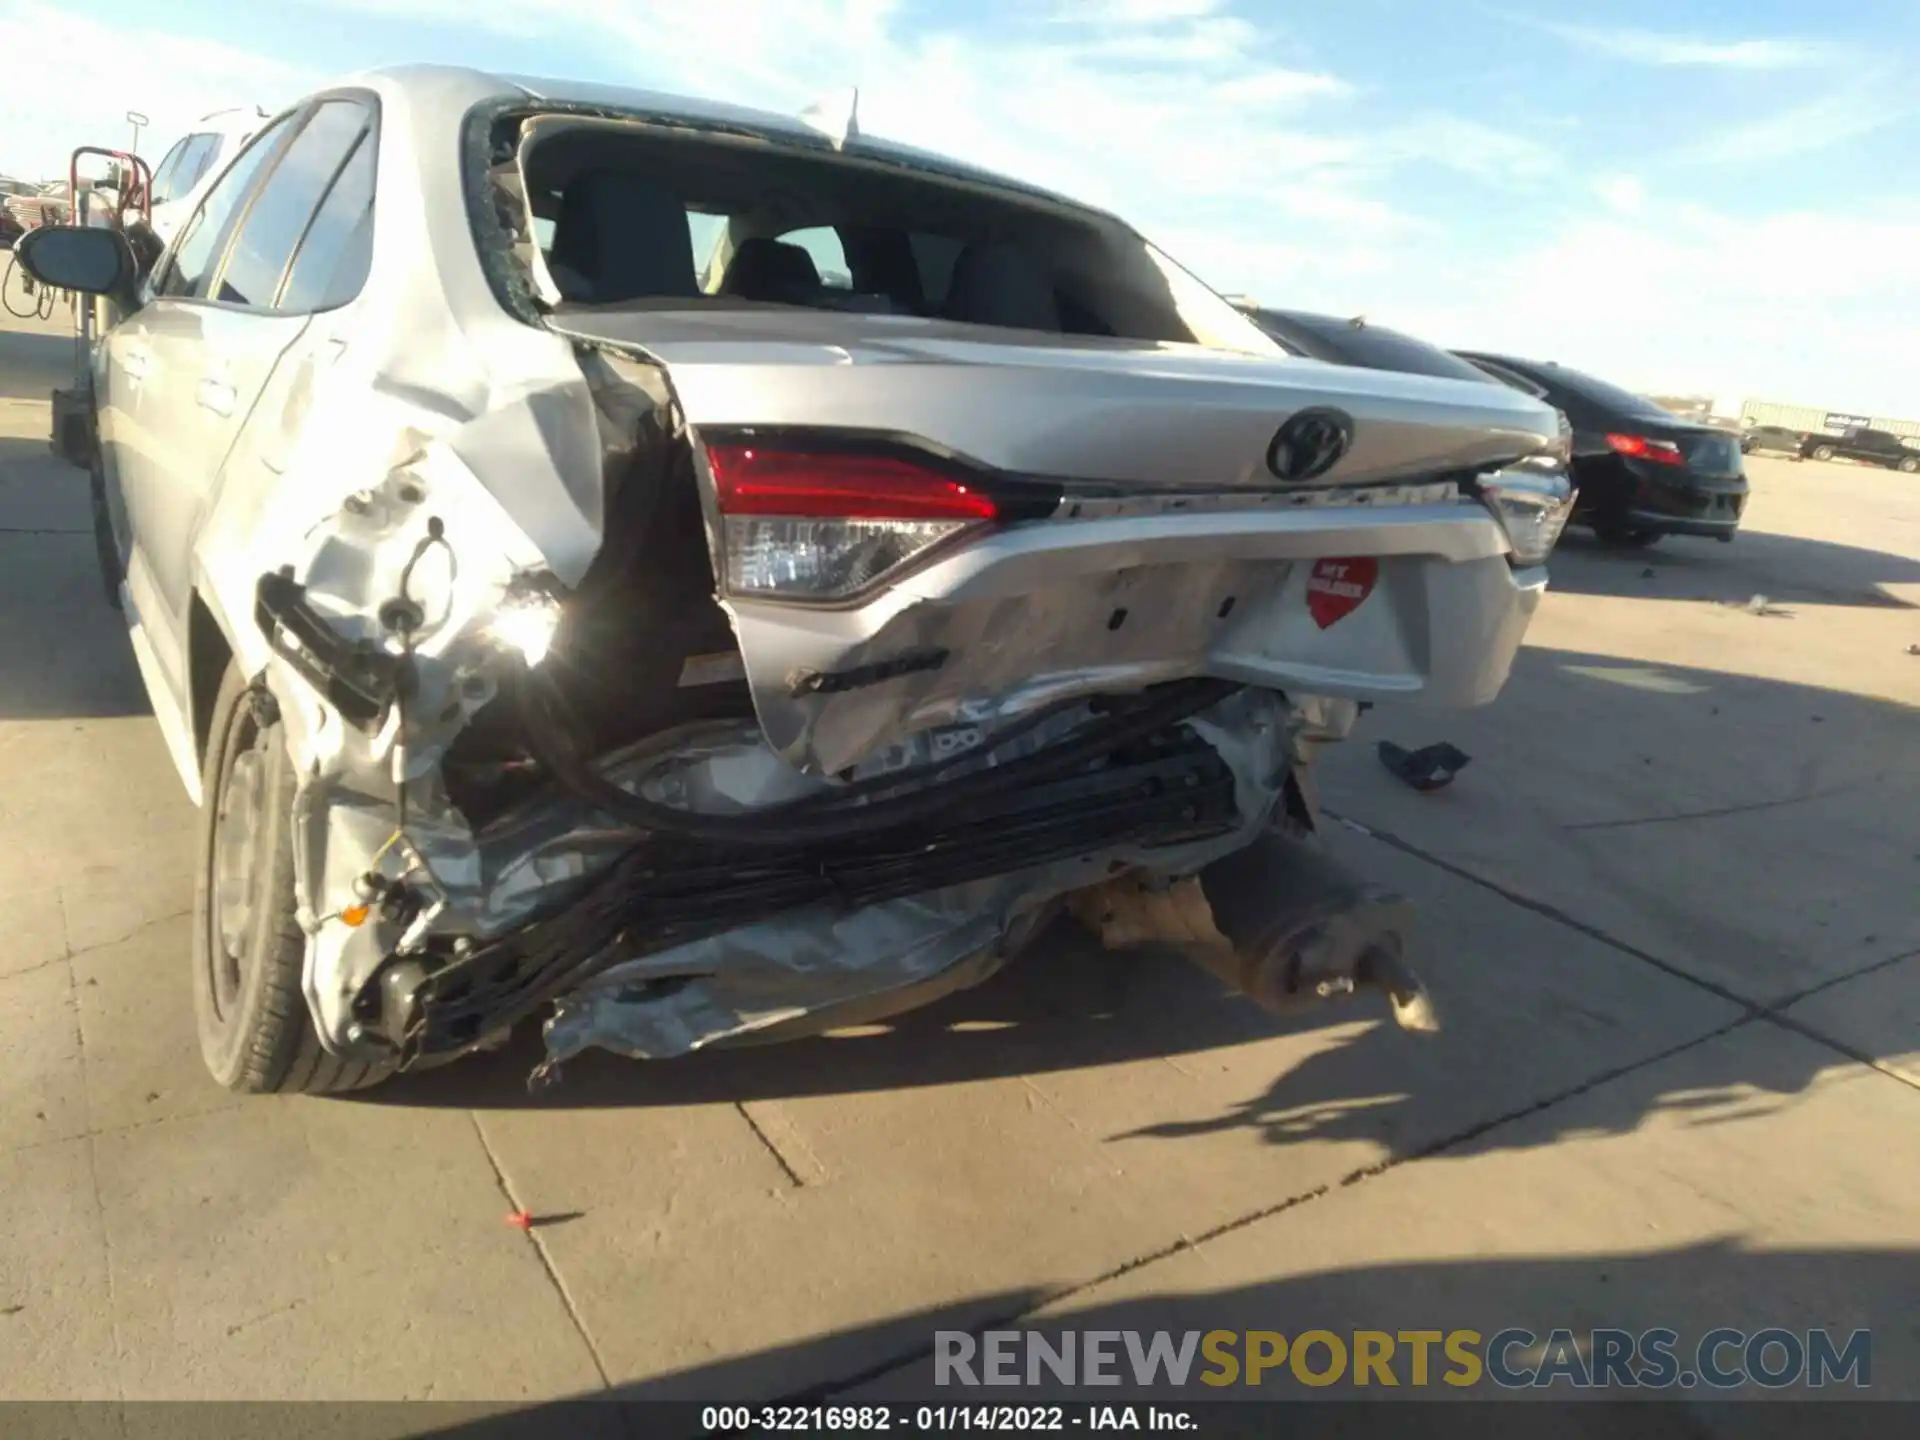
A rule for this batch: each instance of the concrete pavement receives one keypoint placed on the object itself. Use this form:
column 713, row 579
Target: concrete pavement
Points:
column 1670, row 923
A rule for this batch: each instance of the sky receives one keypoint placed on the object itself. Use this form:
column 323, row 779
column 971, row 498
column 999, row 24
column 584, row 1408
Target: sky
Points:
column 1715, row 197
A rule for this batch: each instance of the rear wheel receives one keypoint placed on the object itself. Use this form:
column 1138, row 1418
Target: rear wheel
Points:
column 1910, row 465
column 1823, row 452
column 256, row 1035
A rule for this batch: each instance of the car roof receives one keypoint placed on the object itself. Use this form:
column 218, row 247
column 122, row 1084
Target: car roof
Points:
column 230, row 120
column 1357, row 341
column 716, row 114
column 1331, row 326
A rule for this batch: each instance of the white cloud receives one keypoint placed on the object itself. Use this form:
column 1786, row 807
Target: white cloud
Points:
column 1870, row 102
column 1657, row 47
column 1470, row 147
column 1805, row 305
column 70, row 82
column 1133, row 12
column 1622, row 193
column 1184, row 117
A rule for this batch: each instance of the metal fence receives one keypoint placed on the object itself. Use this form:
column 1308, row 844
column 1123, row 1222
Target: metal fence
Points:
column 1813, row 418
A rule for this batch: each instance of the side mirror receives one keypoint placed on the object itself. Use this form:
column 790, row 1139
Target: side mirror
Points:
column 89, row 259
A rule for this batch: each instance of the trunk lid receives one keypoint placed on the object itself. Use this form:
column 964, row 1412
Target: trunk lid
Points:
column 1707, row 451
column 1176, row 550
column 1121, row 412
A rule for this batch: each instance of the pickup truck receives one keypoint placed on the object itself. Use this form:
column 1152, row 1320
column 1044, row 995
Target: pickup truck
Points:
column 1871, row 447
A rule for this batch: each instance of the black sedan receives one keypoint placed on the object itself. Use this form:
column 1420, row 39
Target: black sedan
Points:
column 1357, row 341
column 1643, row 472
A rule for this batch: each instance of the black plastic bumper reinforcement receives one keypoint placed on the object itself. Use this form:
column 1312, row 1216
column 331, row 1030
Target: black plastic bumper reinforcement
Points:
column 360, row 680
column 1165, row 788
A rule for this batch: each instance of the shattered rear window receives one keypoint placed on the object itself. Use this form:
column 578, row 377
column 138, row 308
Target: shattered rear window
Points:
column 606, row 210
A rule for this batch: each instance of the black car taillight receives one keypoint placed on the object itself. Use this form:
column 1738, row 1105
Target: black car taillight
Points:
column 1641, row 447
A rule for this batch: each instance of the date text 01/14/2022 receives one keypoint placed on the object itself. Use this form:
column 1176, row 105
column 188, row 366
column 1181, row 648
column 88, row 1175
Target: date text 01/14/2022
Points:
column 935, row 1419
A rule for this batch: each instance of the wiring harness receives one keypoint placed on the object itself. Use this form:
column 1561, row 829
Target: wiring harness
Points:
column 1131, row 775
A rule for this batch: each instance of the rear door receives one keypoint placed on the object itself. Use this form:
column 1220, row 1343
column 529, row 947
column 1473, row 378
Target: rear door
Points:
column 151, row 427
column 216, row 350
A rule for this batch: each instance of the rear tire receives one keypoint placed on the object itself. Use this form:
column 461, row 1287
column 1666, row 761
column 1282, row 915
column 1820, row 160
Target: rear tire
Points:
column 249, row 952
column 1823, row 452
column 1909, row 466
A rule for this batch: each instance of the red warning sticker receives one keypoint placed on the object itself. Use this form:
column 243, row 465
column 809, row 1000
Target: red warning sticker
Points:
column 1336, row 588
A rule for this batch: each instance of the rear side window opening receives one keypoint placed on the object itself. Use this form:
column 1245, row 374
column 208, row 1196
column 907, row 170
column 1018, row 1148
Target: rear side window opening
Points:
column 612, row 212
column 183, row 166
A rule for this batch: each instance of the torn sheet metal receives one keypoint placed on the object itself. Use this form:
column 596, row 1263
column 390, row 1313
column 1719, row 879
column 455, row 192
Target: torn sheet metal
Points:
column 825, row 964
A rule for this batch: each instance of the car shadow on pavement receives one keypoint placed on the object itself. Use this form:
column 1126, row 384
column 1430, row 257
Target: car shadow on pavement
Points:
column 1063, row 1005
column 33, row 363
column 1691, row 1290
column 1787, row 569
column 1526, row 1019
column 63, row 649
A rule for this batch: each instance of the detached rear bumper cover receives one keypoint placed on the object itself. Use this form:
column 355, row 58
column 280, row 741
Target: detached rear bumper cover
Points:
column 826, row 966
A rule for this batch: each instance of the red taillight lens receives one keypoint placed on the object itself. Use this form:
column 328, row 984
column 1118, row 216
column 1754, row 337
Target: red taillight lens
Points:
column 823, row 525
column 1639, row 447
column 758, row 480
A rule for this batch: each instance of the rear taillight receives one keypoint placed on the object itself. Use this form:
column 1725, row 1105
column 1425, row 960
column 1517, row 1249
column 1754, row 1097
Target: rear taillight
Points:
column 1640, row 447
column 807, row 524
column 1532, row 507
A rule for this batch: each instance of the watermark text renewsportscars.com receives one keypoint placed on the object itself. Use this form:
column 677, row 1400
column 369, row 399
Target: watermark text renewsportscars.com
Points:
column 1722, row 1359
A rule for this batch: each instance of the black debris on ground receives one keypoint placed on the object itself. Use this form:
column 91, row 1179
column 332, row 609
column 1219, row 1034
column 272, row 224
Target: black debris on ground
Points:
column 1431, row 767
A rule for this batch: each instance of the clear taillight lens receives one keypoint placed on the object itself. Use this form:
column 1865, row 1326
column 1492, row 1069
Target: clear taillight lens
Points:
column 1562, row 450
column 822, row 559
column 1532, row 506
column 822, row 525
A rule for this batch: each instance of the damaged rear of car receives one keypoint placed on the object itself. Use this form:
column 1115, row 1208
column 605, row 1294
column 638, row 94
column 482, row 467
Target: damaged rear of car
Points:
column 717, row 581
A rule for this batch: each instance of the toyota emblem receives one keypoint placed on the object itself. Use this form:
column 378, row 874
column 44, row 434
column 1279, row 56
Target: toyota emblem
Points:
column 1310, row 444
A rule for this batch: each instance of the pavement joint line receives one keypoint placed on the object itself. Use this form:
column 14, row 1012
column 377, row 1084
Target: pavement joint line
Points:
column 37, row 967
column 71, row 954
column 108, row 1132
column 1872, row 1062
column 790, row 1151
column 1769, row 1010
column 143, row 926
column 1725, row 810
column 779, row 1157
column 1046, row 1102
column 1227, row 1227
column 1795, row 997
column 92, row 1141
column 540, row 1249
column 1751, row 1009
